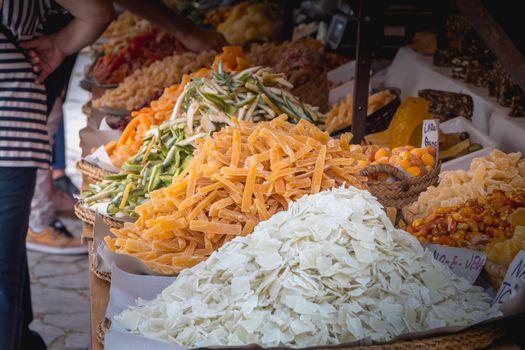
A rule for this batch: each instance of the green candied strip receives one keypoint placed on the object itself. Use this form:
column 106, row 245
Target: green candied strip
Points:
column 162, row 163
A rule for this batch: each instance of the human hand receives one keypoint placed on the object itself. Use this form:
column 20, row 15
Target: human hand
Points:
column 45, row 54
column 203, row 40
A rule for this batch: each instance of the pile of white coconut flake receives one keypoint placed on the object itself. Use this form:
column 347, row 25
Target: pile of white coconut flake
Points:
column 331, row 269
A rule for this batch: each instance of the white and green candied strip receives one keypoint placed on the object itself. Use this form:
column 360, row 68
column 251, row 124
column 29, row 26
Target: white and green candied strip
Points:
column 160, row 159
column 254, row 94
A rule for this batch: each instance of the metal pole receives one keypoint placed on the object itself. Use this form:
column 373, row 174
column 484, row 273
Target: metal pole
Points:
column 362, row 75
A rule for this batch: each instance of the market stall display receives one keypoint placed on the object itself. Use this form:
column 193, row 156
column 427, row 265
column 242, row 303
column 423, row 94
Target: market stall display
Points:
column 289, row 282
column 251, row 21
column 138, row 89
column 238, row 177
column 340, row 115
column 234, row 179
column 497, row 171
column 204, row 106
column 472, row 61
column 129, row 143
column 304, row 62
column 477, row 222
column 503, row 252
column 123, row 27
column 138, row 51
column 406, row 126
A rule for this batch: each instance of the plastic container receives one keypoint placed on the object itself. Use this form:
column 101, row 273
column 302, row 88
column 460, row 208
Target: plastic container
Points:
column 460, row 124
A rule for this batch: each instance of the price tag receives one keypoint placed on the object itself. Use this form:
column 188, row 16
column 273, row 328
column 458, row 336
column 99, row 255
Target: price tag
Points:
column 430, row 136
column 514, row 282
column 463, row 262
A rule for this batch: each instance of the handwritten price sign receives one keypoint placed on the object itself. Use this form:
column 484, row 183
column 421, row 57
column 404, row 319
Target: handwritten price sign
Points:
column 463, row 262
column 430, row 134
column 514, row 282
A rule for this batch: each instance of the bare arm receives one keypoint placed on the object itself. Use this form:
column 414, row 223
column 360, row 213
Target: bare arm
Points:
column 90, row 18
column 193, row 37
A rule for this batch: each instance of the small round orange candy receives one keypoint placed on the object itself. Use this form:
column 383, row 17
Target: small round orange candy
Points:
column 405, row 164
column 381, row 153
column 415, row 160
column 418, row 151
column 414, row 170
column 394, row 160
column 428, row 159
column 405, row 155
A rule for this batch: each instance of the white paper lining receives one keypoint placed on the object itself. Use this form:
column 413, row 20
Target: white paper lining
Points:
column 131, row 279
column 101, row 159
column 126, row 288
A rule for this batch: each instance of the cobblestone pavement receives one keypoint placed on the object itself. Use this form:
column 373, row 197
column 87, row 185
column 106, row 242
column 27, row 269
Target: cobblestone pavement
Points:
column 59, row 284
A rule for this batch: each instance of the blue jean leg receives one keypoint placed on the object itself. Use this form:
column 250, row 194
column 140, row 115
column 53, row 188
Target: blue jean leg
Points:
column 16, row 190
column 59, row 148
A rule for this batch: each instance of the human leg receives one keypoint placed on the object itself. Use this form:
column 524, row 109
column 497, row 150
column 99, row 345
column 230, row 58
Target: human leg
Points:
column 16, row 190
column 47, row 234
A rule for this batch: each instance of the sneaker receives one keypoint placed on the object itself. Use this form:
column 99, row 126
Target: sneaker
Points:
column 64, row 184
column 55, row 239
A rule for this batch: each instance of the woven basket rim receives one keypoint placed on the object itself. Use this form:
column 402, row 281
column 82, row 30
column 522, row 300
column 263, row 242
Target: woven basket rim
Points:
column 88, row 216
column 105, row 276
column 102, row 328
column 411, row 181
column 469, row 339
column 402, row 192
column 92, row 171
column 84, row 214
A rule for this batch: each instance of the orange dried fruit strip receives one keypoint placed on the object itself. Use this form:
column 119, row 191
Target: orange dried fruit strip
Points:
column 232, row 200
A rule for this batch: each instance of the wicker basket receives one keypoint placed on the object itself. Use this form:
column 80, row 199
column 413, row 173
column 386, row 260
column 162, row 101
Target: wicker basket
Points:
column 494, row 273
column 476, row 338
column 84, row 214
column 103, row 275
column 88, row 216
column 472, row 339
column 102, row 327
column 92, row 171
column 404, row 190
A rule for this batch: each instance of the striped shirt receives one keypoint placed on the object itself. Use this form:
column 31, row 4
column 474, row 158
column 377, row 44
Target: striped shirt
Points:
column 24, row 140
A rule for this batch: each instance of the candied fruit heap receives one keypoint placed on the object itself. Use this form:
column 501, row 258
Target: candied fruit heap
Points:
column 476, row 222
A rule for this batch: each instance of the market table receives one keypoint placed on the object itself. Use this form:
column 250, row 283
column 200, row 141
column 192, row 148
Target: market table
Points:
column 412, row 71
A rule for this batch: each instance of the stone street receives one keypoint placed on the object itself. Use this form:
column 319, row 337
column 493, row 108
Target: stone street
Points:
column 60, row 284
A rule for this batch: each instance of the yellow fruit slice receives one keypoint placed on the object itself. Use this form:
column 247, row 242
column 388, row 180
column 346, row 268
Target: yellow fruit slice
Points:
column 454, row 150
column 405, row 127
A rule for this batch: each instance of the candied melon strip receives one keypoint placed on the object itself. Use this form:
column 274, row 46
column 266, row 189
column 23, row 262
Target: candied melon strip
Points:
column 238, row 177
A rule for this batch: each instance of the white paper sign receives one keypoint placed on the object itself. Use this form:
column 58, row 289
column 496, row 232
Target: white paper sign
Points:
column 101, row 159
column 463, row 262
column 514, row 282
column 430, row 136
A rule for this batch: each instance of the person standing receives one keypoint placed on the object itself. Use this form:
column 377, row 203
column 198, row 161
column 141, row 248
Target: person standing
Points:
column 26, row 59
